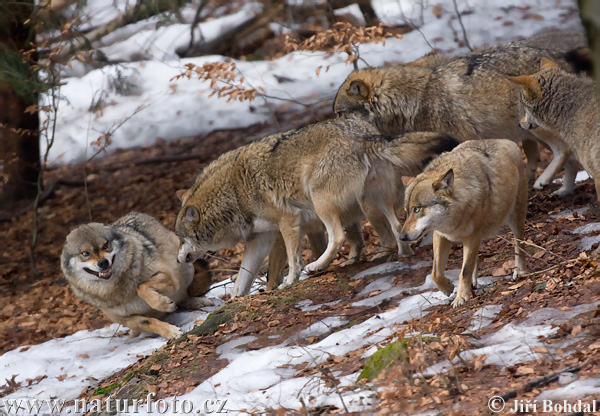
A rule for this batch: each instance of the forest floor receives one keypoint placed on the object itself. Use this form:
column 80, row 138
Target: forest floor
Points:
column 36, row 309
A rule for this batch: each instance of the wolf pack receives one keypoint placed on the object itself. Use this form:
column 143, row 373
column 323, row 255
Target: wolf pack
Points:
column 451, row 124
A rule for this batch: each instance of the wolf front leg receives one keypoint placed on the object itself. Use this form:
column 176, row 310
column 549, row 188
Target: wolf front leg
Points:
column 256, row 249
column 561, row 155
column 138, row 323
column 516, row 222
column 467, row 273
column 151, row 291
column 289, row 225
column 357, row 243
column 441, row 250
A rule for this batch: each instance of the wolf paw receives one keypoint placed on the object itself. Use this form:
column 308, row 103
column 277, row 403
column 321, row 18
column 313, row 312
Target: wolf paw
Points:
column 459, row 301
column 349, row 262
column 198, row 302
column 315, row 266
column 234, row 277
column 171, row 332
column 165, row 305
column 563, row 191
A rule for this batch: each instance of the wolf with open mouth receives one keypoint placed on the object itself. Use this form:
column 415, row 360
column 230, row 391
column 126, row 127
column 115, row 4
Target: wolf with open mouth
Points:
column 129, row 270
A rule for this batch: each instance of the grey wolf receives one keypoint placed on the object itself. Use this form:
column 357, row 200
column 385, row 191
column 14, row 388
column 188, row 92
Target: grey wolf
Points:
column 468, row 97
column 129, row 270
column 565, row 106
column 288, row 182
column 466, row 195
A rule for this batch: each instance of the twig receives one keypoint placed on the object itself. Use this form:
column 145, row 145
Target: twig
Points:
column 462, row 26
column 540, row 382
column 195, row 23
column 549, row 268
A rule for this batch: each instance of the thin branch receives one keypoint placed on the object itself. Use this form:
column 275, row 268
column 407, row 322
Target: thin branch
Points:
column 465, row 38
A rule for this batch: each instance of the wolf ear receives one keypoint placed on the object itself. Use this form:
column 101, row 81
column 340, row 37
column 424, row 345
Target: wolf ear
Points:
column 191, row 215
column 531, row 88
column 182, row 194
column 546, row 63
column 445, row 181
column 358, row 88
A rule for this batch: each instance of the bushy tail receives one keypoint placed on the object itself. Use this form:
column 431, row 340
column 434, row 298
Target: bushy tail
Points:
column 413, row 151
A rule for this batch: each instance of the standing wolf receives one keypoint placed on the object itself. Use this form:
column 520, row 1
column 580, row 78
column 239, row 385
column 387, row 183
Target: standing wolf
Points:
column 287, row 182
column 466, row 195
column 566, row 106
column 129, row 270
column 469, row 98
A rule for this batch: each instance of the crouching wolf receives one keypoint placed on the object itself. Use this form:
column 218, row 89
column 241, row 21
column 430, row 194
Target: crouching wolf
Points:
column 465, row 196
column 290, row 181
column 566, row 106
column 129, row 270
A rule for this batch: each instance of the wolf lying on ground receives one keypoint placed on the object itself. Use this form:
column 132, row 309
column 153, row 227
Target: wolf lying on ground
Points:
column 286, row 182
column 468, row 97
column 466, row 195
column 129, row 270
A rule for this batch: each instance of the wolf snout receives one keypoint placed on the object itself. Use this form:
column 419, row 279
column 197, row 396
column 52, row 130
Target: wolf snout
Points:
column 404, row 237
column 103, row 264
column 184, row 258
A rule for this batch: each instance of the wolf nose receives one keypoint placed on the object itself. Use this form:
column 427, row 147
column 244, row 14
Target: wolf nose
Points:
column 103, row 264
column 403, row 237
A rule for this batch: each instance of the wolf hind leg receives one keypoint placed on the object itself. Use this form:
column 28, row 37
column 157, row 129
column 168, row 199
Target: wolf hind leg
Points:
column 532, row 153
column 277, row 261
column 330, row 216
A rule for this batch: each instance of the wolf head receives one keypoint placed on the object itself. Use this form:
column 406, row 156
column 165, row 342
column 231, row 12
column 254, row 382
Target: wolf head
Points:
column 388, row 98
column 428, row 203
column 93, row 253
column 210, row 219
column 543, row 96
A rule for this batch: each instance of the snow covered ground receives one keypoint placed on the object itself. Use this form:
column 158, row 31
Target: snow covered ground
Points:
column 138, row 103
column 265, row 378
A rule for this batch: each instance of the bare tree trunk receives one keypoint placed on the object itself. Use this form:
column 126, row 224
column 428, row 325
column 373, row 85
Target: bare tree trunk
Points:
column 589, row 10
column 19, row 131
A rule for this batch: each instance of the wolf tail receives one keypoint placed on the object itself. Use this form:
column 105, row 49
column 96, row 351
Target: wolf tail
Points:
column 413, row 151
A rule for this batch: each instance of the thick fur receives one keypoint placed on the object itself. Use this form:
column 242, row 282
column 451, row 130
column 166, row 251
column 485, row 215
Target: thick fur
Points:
column 287, row 182
column 469, row 97
column 129, row 270
column 465, row 196
column 565, row 106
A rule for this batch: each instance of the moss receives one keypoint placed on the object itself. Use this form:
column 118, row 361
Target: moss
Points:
column 107, row 389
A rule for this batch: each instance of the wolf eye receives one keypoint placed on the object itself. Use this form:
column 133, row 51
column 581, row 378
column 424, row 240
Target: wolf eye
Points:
column 85, row 253
column 416, row 210
column 106, row 245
